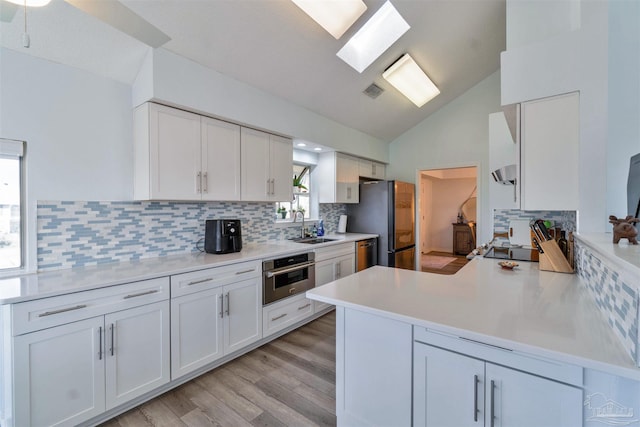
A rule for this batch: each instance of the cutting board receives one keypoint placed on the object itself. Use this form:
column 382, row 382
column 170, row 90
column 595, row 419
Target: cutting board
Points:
column 519, row 232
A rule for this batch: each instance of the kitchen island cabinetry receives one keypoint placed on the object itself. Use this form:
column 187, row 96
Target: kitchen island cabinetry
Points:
column 214, row 313
column 338, row 175
column 73, row 362
column 180, row 155
column 266, row 165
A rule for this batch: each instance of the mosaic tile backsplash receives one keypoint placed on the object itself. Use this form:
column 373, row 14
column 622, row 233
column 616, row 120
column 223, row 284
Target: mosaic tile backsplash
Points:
column 616, row 297
column 76, row 234
column 564, row 219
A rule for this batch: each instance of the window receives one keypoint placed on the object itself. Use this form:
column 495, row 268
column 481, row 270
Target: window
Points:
column 301, row 195
column 11, row 221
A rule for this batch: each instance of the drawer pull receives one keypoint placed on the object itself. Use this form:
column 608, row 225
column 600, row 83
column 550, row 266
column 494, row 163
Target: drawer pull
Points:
column 245, row 271
column 278, row 317
column 197, row 282
column 304, row 306
column 153, row 291
column 62, row 310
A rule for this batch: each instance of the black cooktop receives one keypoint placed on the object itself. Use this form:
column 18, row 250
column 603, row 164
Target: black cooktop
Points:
column 516, row 254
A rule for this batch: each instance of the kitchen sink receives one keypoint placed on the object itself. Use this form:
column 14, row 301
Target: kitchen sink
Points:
column 313, row 240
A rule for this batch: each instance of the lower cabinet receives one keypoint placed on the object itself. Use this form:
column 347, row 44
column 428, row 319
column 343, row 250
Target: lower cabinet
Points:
column 73, row 372
column 281, row 314
column 450, row 389
column 333, row 263
column 221, row 316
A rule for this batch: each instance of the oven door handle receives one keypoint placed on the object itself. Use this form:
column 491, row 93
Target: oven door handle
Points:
column 271, row 274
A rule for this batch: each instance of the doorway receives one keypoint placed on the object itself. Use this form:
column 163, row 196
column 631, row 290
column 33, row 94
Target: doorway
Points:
column 448, row 218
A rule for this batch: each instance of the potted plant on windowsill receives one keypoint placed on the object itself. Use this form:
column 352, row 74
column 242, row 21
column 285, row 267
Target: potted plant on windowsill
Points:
column 298, row 187
column 282, row 211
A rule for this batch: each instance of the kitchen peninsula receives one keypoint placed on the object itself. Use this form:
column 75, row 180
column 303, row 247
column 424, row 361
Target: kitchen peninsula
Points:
column 521, row 347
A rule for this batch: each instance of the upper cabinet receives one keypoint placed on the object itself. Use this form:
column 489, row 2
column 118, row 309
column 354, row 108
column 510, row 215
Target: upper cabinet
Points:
column 338, row 178
column 549, row 145
column 267, row 162
column 179, row 155
column 371, row 169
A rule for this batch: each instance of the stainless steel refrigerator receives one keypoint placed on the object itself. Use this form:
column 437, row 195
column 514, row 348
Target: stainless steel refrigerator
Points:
column 387, row 208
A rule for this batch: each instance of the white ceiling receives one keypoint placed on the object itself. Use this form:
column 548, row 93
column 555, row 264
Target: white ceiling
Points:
column 274, row 46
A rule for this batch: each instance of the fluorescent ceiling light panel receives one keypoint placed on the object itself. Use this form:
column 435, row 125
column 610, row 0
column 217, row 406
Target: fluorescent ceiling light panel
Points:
column 335, row 16
column 32, row 3
column 376, row 35
column 406, row 76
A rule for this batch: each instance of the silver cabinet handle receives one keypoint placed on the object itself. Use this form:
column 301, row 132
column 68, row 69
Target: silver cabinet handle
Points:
column 493, row 386
column 197, row 282
column 100, row 343
column 198, row 182
column 245, row 271
column 271, row 274
column 153, row 291
column 205, row 183
column 278, row 317
column 268, row 187
column 111, row 348
column 221, row 307
column 228, row 308
column 273, row 186
column 348, row 193
column 476, row 380
column 338, row 271
column 304, row 306
column 62, row 310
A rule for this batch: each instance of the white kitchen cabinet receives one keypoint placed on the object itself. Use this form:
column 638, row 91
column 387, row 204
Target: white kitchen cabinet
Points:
column 451, row 389
column 332, row 263
column 550, row 139
column 338, row 178
column 284, row 313
column 371, row 169
column 59, row 374
column 266, row 166
column 504, row 151
column 214, row 313
column 88, row 352
column 184, row 156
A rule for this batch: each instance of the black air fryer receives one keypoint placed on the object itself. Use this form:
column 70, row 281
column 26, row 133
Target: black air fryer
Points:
column 222, row 236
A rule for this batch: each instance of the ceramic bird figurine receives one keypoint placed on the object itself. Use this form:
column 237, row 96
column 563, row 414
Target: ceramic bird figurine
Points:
column 624, row 229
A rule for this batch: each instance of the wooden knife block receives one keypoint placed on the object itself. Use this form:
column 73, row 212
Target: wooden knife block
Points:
column 552, row 259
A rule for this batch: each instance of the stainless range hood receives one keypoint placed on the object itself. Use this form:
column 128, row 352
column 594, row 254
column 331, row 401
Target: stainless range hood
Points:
column 506, row 175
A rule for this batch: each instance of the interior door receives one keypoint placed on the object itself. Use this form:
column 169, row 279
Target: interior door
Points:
column 404, row 215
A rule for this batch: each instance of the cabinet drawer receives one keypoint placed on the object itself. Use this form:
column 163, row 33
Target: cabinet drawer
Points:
column 537, row 365
column 47, row 312
column 188, row 283
column 279, row 315
column 335, row 251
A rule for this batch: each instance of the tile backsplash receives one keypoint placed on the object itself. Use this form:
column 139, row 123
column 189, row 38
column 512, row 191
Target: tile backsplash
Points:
column 76, row 234
column 501, row 218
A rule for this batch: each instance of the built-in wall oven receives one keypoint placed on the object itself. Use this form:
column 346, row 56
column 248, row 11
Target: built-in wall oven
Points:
column 283, row 277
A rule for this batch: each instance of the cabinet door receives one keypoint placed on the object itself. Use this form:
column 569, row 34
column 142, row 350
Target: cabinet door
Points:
column 325, row 273
column 137, row 351
column 281, row 164
column 59, row 374
column 369, row 169
column 346, row 179
column 256, row 180
column 344, row 266
column 220, row 160
column 518, row 399
column 550, row 137
column 448, row 388
column 196, row 330
column 174, row 153
column 242, row 314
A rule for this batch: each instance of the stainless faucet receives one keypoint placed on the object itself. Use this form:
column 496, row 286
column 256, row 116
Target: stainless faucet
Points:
column 295, row 219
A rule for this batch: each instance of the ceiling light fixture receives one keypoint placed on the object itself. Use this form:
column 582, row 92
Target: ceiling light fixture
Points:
column 334, row 16
column 317, row 149
column 406, row 76
column 301, row 144
column 376, row 35
column 30, row 3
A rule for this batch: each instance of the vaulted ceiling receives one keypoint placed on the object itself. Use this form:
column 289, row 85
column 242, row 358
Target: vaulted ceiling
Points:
column 274, row 46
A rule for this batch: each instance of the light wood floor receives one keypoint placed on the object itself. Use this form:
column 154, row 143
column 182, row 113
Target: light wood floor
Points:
column 287, row 382
column 450, row 268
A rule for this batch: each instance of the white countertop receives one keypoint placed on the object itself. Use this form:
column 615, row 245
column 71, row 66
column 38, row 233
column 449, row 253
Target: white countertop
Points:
column 59, row 282
column 537, row 312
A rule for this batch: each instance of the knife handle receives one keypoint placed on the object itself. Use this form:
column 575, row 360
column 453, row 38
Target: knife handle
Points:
column 543, row 229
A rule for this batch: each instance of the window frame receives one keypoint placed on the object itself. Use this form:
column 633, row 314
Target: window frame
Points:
column 15, row 149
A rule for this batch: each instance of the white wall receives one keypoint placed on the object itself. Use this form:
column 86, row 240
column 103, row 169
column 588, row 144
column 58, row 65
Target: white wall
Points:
column 556, row 62
column 77, row 127
column 174, row 80
column 455, row 136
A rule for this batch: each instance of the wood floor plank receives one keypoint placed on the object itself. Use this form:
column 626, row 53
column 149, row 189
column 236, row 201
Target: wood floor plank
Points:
column 134, row 418
column 311, row 356
column 323, row 400
column 197, row 418
column 312, row 341
column 159, row 415
column 316, row 369
column 267, row 420
column 218, row 412
column 266, row 364
column 178, row 402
